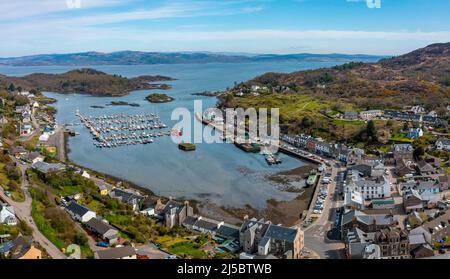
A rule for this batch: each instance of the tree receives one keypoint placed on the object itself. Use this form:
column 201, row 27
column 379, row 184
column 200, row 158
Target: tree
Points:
column 419, row 151
column 11, row 88
column 306, row 122
column 371, row 131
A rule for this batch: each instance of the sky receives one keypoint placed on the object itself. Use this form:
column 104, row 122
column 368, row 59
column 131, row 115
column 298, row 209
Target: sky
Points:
column 383, row 27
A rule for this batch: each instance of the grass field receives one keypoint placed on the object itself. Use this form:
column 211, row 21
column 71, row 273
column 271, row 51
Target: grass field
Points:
column 400, row 137
column 182, row 246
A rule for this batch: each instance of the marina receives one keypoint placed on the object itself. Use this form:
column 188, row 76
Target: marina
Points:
column 124, row 129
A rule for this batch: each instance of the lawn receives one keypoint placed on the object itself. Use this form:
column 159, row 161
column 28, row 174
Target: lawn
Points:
column 189, row 249
column 182, row 246
column 400, row 137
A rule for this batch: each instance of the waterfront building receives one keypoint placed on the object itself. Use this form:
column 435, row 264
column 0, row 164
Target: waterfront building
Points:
column 263, row 238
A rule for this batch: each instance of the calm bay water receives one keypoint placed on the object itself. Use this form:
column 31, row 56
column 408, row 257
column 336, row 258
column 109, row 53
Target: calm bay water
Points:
column 220, row 173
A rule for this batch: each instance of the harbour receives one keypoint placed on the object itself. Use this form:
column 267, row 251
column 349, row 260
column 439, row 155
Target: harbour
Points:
column 219, row 174
column 124, row 129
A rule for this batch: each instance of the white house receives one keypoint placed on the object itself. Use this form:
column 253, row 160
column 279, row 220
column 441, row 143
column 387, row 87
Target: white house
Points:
column 35, row 157
column 124, row 252
column 414, row 133
column 443, row 144
column 7, row 215
column 371, row 188
column 370, row 114
column 80, row 213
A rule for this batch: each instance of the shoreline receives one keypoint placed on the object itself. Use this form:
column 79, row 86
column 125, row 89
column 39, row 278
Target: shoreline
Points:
column 279, row 211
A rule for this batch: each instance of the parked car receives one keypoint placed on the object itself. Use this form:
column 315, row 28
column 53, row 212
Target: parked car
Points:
column 102, row 244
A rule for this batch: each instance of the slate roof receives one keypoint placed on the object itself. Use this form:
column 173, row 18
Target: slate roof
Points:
column 6, row 247
column 281, row 233
column 116, row 253
column 21, row 246
column 126, row 196
column 46, row 167
column 190, row 221
column 77, row 209
column 366, row 219
column 205, row 224
column 416, row 239
column 228, row 231
column 99, row 226
column 172, row 204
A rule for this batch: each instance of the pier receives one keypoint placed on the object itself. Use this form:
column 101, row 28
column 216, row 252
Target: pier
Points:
column 124, row 129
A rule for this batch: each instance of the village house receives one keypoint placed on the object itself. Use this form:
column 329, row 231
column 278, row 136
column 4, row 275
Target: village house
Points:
column 393, row 242
column 443, row 144
column 34, row 157
column 219, row 230
column 422, row 186
column 102, row 229
column 412, row 201
column 173, row 213
column 24, row 249
column 350, row 115
column 127, row 197
column 403, row 151
column 404, row 116
column 353, row 200
column 414, row 133
column 436, row 229
column 7, row 215
column 367, row 223
column 444, row 181
column 370, row 114
column 79, row 212
column 360, row 245
column 374, row 187
column 403, row 168
column 18, row 152
column 45, row 168
column 419, row 247
column 418, row 109
column 263, row 238
column 124, row 252
column 423, row 168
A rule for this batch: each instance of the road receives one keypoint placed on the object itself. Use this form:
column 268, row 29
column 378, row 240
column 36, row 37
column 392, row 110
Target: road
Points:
column 57, row 139
column 316, row 234
column 23, row 212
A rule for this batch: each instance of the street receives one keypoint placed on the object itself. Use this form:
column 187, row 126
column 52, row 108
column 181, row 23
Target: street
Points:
column 23, row 212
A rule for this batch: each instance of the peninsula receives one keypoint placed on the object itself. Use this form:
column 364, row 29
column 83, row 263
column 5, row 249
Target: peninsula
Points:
column 87, row 81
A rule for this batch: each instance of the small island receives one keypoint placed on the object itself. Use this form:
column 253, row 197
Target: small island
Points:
column 186, row 146
column 207, row 93
column 122, row 103
column 159, row 98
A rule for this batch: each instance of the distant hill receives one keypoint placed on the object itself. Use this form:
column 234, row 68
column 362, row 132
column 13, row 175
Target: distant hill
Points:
column 146, row 58
column 419, row 77
column 86, row 80
column 313, row 101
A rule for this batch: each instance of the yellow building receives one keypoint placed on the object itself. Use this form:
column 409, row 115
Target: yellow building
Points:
column 103, row 190
column 32, row 254
column 24, row 249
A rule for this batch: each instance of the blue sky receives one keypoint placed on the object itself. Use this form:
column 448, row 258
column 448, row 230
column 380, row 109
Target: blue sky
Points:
column 256, row 26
